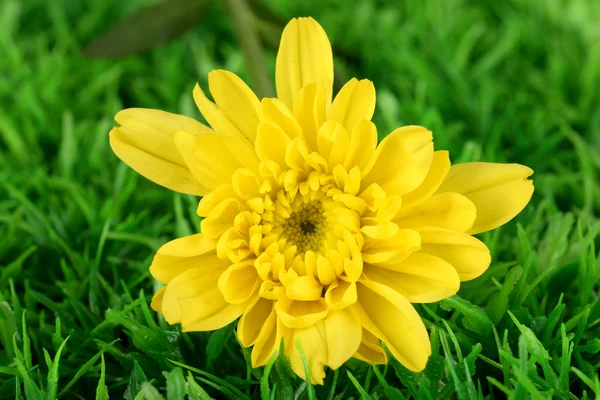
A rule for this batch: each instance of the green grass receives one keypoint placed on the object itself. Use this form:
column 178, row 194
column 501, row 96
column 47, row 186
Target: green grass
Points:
column 513, row 81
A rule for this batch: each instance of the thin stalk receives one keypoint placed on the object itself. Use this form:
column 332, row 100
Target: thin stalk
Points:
column 243, row 21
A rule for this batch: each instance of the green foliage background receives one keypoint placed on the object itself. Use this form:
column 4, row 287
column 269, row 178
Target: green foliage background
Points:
column 505, row 81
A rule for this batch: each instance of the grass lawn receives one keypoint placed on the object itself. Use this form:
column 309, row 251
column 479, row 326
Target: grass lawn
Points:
column 503, row 81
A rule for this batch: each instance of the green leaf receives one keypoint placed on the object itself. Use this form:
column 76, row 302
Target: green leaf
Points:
column 86, row 367
column 391, row 392
column 215, row 381
column 310, row 389
column 148, row 392
column 475, row 318
column 533, row 344
column 284, row 372
column 136, row 379
column 175, row 384
column 265, row 392
column 194, row 391
column 498, row 304
column 52, row 382
column 363, row 393
column 32, row 391
column 102, row 389
column 216, row 344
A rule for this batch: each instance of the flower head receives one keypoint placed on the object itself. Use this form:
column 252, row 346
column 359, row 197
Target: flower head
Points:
column 312, row 232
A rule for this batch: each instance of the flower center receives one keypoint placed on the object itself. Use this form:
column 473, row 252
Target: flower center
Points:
column 304, row 227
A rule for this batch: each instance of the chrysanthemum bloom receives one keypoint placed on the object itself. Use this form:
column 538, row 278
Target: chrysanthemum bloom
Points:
column 312, row 232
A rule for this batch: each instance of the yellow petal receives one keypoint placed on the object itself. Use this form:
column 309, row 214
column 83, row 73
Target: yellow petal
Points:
column 253, row 320
column 301, row 314
column 393, row 319
column 245, row 184
column 370, row 349
column 236, row 100
column 378, row 229
column 313, row 341
column 214, row 116
column 192, row 296
column 304, row 288
column 401, row 161
column 219, row 156
column 297, row 154
column 392, row 250
column 440, row 166
column 443, row 210
column 343, row 334
column 157, row 299
column 309, row 111
column 341, row 294
column 223, row 317
column 275, row 112
column 325, row 271
column 363, row 142
column 468, row 255
column 221, row 218
column 421, row 278
column 332, row 143
column 499, row 191
column 304, row 57
column 180, row 255
column 354, row 102
column 145, row 142
column 185, row 142
column 239, row 282
column 271, row 143
column 269, row 339
column 214, row 198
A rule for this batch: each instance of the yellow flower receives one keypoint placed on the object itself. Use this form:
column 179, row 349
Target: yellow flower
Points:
column 312, row 232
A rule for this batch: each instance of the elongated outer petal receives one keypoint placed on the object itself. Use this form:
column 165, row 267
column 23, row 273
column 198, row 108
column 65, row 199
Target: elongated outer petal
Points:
column 499, row 191
column 304, row 57
column 440, row 166
column 401, row 161
column 145, row 142
column 309, row 111
column 344, row 335
column 272, row 333
column 330, row 342
column 157, row 299
column 265, row 341
column 390, row 317
column 275, row 111
column 236, row 100
column 443, row 210
column 214, row 116
column 363, row 141
column 332, row 143
column 468, row 255
column 221, row 318
column 421, row 278
column 370, row 349
column 180, row 255
column 271, row 143
column 194, row 300
column 218, row 156
column 253, row 320
column 393, row 250
column 354, row 102
column 184, row 142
